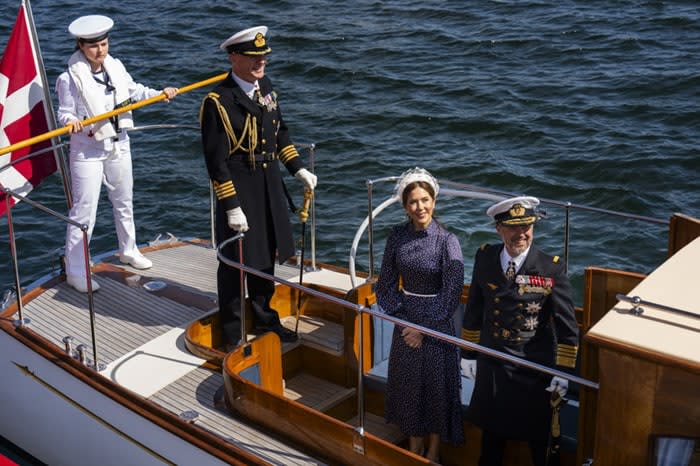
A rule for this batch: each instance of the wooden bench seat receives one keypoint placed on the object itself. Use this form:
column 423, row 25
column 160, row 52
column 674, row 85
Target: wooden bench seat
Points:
column 316, row 393
column 318, row 333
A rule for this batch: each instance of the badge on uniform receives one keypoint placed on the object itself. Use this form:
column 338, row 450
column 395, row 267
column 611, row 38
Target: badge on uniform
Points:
column 268, row 101
column 534, row 284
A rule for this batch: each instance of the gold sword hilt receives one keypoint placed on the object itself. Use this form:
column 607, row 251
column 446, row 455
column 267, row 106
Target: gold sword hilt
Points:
column 304, row 212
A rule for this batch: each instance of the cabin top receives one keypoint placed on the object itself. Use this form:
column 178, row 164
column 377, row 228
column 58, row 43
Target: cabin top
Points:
column 676, row 283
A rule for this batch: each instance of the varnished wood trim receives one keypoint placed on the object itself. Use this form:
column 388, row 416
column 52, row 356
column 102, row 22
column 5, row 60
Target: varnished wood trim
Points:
column 266, row 351
column 150, row 411
column 642, row 353
column 682, row 230
column 317, row 431
column 600, row 290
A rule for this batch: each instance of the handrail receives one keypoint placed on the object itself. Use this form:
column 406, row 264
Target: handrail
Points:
column 433, row 333
column 212, row 207
column 212, row 197
column 32, row 155
column 360, row 309
column 127, row 108
column 477, row 192
column 637, row 302
column 91, row 305
column 237, row 237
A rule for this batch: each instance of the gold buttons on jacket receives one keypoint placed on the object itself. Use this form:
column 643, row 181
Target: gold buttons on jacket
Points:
column 496, row 300
column 264, row 164
column 496, row 312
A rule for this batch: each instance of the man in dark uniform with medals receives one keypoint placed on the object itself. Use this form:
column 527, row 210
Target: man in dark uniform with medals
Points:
column 519, row 303
column 244, row 137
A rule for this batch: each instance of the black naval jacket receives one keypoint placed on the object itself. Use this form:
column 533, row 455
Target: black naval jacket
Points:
column 531, row 317
column 242, row 161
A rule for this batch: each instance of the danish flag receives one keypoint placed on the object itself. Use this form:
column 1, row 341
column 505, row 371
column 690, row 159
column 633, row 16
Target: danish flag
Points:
column 24, row 112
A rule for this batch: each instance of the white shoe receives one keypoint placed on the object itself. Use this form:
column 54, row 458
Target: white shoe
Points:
column 80, row 283
column 137, row 261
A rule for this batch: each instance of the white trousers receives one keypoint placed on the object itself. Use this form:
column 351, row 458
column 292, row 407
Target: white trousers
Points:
column 87, row 177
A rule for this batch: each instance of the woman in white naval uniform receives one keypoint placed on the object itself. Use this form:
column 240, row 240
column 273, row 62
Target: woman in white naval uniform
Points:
column 96, row 83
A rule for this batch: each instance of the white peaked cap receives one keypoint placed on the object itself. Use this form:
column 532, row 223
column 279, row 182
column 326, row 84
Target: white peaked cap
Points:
column 246, row 35
column 521, row 210
column 90, row 27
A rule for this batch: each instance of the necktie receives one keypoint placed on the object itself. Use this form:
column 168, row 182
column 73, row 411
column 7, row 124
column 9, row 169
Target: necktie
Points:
column 257, row 96
column 510, row 270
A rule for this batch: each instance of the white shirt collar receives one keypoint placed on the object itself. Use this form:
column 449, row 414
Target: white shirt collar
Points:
column 505, row 257
column 248, row 88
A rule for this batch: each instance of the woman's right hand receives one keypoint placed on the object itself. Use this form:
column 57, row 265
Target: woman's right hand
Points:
column 412, row 337
column 76, row 126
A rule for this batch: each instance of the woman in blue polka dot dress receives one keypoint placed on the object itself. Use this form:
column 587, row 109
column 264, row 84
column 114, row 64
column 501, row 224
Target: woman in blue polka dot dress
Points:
column 421, row 280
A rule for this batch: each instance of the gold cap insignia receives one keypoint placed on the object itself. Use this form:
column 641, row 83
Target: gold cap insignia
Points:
column 517, row 211
column 259, row 40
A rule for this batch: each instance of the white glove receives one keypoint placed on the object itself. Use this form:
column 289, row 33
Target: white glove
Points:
column 306, row 177
column 560, row 385
column 468, row 368
column 237, row 220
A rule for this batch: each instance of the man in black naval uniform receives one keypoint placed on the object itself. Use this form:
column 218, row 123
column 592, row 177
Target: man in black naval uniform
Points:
column 519, row 303
column 244, row 137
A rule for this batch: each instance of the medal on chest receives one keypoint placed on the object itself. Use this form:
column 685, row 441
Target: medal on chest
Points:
column 534, row 284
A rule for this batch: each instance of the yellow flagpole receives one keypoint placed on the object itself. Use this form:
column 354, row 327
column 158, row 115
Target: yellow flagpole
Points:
column 66, row 129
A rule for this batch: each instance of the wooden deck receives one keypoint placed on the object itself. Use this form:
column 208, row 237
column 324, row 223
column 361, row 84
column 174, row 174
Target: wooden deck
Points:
column 139, row 335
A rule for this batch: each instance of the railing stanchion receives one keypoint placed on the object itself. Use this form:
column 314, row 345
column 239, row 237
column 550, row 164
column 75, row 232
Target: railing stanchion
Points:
column 567, row 225
column 244, row 332
column 359, row 437
column 13, row 253
column 370, row 229
column 91, row 301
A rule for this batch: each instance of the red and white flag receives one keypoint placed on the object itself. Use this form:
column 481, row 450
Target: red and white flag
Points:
column 24, row 112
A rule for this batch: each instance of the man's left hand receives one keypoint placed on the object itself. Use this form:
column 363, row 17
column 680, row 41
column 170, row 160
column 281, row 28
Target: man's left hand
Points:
column 560, row 385
column 306, row 177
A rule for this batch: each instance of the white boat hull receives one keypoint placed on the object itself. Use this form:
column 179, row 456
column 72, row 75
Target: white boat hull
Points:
column 62, row 421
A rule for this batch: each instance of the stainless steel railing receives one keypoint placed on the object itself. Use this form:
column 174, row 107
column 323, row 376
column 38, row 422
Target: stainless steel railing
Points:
column 452, row 188
column 359, row 310
column 13, row 251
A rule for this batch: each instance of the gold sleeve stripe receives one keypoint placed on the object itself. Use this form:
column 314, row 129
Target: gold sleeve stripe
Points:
column 566, row 355
column 472, row 336
column 288, row 153
column 224, row 190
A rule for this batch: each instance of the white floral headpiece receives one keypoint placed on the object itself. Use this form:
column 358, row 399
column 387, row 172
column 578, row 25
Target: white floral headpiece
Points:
column 415, row 174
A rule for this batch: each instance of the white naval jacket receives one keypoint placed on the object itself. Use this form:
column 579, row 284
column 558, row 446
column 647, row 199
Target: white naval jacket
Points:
column 72, row 106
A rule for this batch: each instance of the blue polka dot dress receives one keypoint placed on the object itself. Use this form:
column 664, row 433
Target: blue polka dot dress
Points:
column 423, row 386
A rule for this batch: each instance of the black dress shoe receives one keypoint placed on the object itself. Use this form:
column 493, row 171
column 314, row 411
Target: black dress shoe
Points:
column 286, row 336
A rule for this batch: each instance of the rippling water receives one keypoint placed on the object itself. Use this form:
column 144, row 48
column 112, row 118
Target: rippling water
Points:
column 590, row 102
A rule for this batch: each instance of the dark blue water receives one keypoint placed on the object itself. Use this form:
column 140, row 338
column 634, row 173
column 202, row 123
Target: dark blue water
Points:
column 591, row 102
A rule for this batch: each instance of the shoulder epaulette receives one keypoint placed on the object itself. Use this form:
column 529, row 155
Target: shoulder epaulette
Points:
column 555, row 259
column 484, row 246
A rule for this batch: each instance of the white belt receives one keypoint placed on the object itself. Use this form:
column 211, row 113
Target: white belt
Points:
column 408, row 293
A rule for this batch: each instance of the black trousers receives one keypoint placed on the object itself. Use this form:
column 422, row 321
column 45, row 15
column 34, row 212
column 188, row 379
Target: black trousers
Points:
column 493, row 448
column 260, row 292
